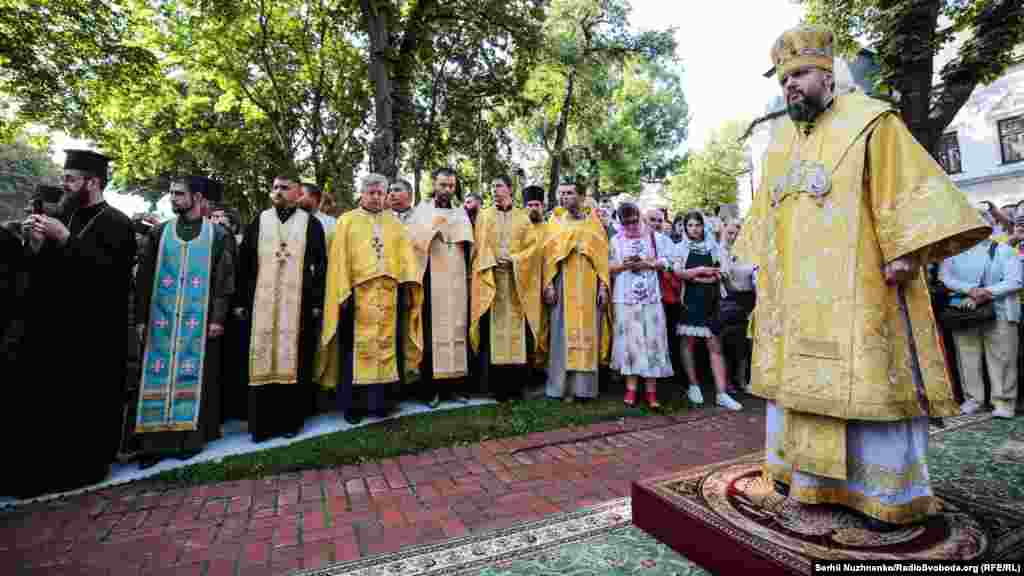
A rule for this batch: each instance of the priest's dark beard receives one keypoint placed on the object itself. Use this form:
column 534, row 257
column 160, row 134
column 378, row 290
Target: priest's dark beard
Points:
column 69, row 203
column 443, row 201
column 535, row 217
column 806, row 110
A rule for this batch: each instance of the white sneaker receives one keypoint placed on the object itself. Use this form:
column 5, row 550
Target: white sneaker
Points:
column 694, row 395
column 1002, row 413
column 969, row 407
column 726, row 401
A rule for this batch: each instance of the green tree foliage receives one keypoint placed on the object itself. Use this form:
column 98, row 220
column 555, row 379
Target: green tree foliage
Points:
column 246, row 89
column 465, row 99
column 24, row 163
column 907, row 34
column 57, row 57
column 708, row 177
column 637, row 138
column 407, row 39
column 587, row 45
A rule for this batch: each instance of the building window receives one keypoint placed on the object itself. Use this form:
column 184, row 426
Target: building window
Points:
column 1011, row 139
column 949, row 153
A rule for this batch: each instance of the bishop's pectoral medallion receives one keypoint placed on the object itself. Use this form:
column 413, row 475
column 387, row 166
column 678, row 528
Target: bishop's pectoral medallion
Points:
column 804, row 177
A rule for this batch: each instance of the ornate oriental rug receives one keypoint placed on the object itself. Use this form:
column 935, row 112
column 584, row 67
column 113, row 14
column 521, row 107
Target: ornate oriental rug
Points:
column 596, row 540
column 976, row 465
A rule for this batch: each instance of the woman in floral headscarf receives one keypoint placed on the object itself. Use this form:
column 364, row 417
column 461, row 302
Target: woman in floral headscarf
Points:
column 640, row 341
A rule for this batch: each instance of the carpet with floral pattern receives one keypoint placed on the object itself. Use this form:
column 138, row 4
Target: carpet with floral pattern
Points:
column 976, row 464
column 734, row 521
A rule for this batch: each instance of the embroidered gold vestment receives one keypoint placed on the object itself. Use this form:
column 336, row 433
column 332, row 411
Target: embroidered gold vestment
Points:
column 579, row 248
column 835, row 204
column 437, row 236
column 509, row 294
column 371, row 259
column 278, row 304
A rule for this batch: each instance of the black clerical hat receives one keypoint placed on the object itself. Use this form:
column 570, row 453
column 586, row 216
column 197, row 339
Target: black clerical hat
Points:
column 533, row 193
column 209, row 188
column 87, row 161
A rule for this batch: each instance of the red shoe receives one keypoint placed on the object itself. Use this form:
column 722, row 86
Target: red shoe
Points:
column 652, row 400
column 630, row 398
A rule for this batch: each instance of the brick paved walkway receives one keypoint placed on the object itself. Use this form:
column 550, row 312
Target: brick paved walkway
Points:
column 275, row 525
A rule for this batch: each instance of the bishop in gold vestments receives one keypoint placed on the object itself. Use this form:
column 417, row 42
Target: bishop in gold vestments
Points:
column 576, row 292
column 370, row 278
column 849, row 209
column 505, row 293
column 442, row 237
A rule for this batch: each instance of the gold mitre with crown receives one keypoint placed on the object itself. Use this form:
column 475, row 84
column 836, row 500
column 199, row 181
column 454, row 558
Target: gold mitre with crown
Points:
column 802, row 46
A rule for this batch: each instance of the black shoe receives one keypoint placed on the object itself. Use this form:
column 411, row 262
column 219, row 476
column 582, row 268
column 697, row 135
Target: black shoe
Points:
column 353, row 418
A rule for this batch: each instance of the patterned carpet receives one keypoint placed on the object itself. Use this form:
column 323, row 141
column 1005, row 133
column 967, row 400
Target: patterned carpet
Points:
column 595, row 540
column 974, row 461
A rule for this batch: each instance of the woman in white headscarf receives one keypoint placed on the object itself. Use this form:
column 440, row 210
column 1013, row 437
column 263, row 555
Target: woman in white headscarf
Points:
column 699, row 266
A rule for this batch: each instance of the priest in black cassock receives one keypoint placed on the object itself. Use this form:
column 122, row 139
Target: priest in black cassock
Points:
column 281, row 271
column 185, row 282
column 72, row 377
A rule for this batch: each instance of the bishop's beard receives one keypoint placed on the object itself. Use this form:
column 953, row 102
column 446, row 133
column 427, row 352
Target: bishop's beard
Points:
column 806, row 109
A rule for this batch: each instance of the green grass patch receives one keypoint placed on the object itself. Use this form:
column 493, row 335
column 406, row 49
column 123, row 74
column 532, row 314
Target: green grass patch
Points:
column 413, row 434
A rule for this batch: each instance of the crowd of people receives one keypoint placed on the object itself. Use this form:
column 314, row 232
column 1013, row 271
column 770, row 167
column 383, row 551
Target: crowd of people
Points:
column 871, row 273
column 300, row 312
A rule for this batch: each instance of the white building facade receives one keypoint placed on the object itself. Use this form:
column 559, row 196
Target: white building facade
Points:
column 983, row 148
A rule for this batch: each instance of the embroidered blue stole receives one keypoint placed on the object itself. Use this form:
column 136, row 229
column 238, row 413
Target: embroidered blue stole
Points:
column 172, row 377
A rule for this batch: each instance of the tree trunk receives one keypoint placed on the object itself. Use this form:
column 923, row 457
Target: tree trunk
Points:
column 911, row 52
column 417, row 177
column 383, row 157
column 560, row 130
column 595, row 169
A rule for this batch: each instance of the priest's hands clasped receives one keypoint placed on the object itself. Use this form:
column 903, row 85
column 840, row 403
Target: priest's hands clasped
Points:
column 40, row 227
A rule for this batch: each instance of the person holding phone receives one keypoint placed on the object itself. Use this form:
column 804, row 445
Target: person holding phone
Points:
column 701, row 275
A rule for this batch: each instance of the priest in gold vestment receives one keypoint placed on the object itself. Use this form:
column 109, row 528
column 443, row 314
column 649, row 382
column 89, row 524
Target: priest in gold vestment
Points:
column 371, row 278
column 442, row 238
column 849, row 210
column 281, row 269
column 576, row 284
column 505, row 293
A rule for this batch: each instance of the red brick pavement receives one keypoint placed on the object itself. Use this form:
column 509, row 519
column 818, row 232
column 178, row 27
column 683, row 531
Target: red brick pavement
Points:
column 305, row 520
